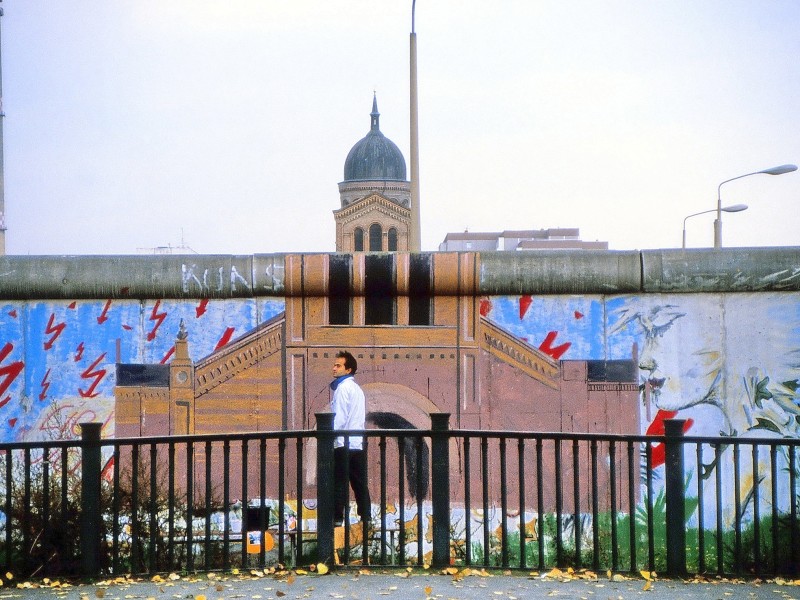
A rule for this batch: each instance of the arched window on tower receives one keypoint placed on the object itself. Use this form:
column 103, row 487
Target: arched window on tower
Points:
column 358, row 240
column 375, row 238
column 392, row 239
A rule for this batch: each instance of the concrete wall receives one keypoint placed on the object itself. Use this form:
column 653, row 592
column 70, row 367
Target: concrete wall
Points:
column 716, row 333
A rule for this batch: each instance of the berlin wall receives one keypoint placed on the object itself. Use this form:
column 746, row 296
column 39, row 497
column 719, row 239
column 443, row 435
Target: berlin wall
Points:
column 714, row 335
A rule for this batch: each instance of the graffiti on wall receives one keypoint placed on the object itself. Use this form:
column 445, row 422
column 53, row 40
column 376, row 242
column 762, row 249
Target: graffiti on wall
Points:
column 57, row 358
column 729, row 365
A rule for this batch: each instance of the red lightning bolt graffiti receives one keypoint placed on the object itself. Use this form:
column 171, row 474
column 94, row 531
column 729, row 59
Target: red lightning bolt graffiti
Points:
column 90, row 373
column 158, row 318
column 167, row 355
column 104, row 314
column 226, row 337
column 79, row 352
column 54, row 329
column 8, row 373
column 201, row 308
column 554, row 351
column 45, row 385
column 524, row 304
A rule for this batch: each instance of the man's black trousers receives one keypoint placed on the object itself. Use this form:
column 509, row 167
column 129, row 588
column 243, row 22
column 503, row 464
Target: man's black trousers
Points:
column 354, row 462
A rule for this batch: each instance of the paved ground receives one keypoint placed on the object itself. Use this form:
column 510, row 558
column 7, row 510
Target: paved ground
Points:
column 423, row 585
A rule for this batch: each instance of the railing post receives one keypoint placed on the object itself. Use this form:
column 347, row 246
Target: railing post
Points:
column 325, row 485
column 91, row 511
column 675, row 497
column 440, row 488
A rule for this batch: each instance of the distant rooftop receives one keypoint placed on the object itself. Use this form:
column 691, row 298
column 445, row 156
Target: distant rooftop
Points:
column 525, row 239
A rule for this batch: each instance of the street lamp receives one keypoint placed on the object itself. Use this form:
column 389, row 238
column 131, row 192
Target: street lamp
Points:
column 780, row 170
column 732, row 208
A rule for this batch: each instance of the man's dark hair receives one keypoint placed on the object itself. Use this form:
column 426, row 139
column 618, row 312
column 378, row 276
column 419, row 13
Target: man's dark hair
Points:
column 349, row 361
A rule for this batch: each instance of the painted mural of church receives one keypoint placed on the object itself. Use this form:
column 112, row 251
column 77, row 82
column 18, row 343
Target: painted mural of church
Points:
column 417, row 354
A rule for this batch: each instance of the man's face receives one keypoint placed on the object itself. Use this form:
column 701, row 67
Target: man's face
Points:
column 339, row 368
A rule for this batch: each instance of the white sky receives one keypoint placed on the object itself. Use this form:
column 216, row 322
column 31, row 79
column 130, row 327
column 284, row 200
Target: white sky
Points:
column 132, row 122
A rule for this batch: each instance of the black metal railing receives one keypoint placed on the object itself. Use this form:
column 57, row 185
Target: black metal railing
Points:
column 519, row 500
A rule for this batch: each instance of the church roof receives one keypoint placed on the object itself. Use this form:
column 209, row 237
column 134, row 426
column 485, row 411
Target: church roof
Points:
column 375, row 157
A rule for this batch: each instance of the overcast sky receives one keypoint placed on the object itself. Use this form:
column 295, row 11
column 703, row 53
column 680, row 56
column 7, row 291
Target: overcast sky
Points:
column 133, row 124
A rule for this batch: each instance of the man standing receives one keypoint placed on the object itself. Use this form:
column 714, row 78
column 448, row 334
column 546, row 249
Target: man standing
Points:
column 350, row 407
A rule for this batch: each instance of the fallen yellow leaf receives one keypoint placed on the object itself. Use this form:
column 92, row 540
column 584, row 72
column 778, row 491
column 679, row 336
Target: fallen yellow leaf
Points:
column 428, row 590
column 645, row 575
column 322, row 568
column 647, row 585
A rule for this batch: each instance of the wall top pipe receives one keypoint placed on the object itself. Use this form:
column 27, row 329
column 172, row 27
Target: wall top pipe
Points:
column 478, row 274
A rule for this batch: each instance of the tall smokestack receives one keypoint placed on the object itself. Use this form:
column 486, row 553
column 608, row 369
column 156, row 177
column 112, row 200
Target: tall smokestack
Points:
column 414, row 242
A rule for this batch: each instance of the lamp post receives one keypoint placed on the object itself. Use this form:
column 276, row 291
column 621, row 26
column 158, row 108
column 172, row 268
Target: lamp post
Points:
column 732, row 208
column 779, row 170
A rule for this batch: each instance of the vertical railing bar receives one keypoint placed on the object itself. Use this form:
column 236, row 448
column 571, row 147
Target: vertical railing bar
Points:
column 26, row 511
column 756, row 512
column 701, row 538
column 612, row 461
column 135, row 554
column 281, row 500
column 263, row 518
column 737, row 495
column 382, row 450
column 365, row 523
column 207, row 541
column 773, row 466
column 485, row 490
column 46, row 527
column 226, row 504
column 540, row 501
column 300, row 499
column 651, row 548
column 401, row 452
column 576, row 495
column 467, row 504
column 346, row 484
column 115, row 529
column 503, row 505
column 595, row 508
column 9, row 458
column 718, row 486
column 171, row 507
column 65, row 490
column 246, row 526
column 794, row 543
column 420, row 505
column 632, row 466
column 559, row 504
column 152, row 510
column 189, row 506
column 523, row 562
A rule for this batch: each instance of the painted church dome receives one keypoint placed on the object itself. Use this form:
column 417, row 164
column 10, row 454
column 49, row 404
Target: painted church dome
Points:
column 375, row 157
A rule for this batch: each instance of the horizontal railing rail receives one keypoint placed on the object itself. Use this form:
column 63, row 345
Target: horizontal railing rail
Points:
column 505, row 499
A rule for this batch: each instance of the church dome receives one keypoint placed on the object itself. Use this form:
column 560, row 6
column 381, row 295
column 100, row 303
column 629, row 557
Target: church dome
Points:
column 375, row 157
